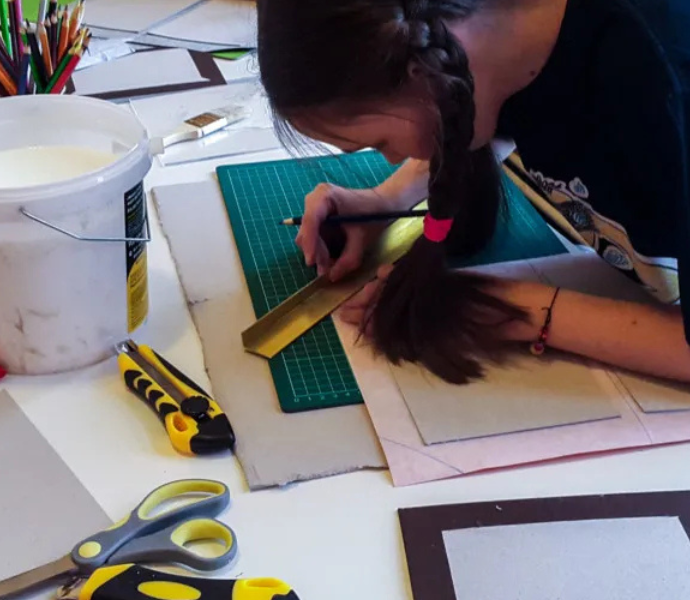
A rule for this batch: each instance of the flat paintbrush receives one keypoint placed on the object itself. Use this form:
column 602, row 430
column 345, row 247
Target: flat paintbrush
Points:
column 205, row 124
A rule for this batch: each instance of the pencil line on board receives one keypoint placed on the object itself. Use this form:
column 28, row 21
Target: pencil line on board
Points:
column 429, row 456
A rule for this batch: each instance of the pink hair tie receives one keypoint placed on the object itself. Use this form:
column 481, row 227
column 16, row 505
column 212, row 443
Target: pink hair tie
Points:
column 436, row 230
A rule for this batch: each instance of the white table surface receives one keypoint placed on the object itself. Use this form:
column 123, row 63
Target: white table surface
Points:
column 332, row 539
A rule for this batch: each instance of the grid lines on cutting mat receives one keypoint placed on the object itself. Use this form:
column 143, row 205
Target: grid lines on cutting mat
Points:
column 313, row 372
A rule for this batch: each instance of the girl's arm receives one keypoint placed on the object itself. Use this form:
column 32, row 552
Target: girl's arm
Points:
column 408, row 185
column 640, row 337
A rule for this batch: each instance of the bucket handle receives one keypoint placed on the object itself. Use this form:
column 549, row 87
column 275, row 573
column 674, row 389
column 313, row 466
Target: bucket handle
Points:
column 82, row 238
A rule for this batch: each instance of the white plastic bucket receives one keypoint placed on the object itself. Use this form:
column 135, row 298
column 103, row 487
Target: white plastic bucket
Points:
column 70, row 167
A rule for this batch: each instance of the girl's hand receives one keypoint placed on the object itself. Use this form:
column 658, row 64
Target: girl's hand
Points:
column 357, row 310
column 325, row 200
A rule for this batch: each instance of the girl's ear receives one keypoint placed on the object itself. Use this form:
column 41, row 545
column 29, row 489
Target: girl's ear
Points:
column 418, row 84
column 415, row 72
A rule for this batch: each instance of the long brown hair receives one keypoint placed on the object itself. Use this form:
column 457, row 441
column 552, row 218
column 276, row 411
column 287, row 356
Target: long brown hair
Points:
column 318, row 52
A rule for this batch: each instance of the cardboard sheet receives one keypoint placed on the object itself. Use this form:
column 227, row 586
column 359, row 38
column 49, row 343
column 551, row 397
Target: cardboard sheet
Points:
column 274, row 448
column 655, row 395
column 411, row 461
column 530, row 393
column 44, row 508
column 607, row 559
column 148, row 72
column 604, row 547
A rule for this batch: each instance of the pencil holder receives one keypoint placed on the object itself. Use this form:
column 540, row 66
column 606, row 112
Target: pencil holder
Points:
column 73, row 231
column 40, row 57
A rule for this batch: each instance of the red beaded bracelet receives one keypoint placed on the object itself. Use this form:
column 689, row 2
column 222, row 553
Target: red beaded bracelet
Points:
column 537, row 348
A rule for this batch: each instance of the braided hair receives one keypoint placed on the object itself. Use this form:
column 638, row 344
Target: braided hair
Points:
column 314, row 53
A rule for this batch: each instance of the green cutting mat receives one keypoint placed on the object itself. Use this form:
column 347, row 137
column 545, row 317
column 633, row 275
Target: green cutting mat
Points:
column 314, row 372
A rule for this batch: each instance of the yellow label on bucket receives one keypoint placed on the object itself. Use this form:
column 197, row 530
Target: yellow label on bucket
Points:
column 137, row 267
column 138, row 293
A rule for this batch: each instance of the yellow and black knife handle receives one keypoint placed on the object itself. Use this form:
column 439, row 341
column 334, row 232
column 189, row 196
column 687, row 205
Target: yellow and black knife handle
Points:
column 197, row 427
column 183, row 383
column 133, row 582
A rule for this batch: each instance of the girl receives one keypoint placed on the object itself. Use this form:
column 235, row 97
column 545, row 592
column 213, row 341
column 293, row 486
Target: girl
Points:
column 596, row 96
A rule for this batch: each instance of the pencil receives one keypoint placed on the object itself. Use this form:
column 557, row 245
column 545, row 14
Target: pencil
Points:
column 64, row 34
column 67, row 65
column 7, row 83
column 52, row 8
column 5, row 26
column 15, row 26
column 23, row 78
column 38, row 66
column 45, row 49
column 73, row 57
column 53, row 39
column 362, row 218
column 75, row 22
column 5, row 58
column 18, row 25
column 42, row 9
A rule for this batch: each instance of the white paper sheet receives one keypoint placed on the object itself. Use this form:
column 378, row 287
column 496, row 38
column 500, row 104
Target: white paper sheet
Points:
column 224, row 23
column 616, row 559
column 162, row 114
column 141, row 70
column 132, row 15
column 105, row 50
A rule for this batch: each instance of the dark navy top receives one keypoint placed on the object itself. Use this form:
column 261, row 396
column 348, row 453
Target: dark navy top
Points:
column 604, row 131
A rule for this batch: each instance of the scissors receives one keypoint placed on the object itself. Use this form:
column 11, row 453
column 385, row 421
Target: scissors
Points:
column 143, row 537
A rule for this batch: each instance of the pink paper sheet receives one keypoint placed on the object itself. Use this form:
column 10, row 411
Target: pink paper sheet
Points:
column 411, row 462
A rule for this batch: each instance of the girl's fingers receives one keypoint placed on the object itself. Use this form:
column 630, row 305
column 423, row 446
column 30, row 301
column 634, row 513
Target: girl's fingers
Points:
column 384, row 271
column 322, row 258
column 351, row 256
column 364, row 297
column 317, row 206
column 351, row 316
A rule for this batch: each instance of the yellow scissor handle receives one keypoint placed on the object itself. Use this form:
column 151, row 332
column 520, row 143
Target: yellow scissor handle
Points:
column 206, row 499
column 133, row 582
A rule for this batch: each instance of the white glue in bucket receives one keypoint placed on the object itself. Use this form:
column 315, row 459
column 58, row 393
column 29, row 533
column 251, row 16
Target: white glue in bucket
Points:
column 73, row 231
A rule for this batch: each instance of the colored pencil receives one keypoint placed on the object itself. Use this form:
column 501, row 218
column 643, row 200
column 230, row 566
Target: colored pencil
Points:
column 362, row 218
column 7, row 83
column 67, row 64
column 75, row 22
column 23, row 79
column 15, row 26
column 5, row 58
column 73, row 58
column 64, row 34
column 53, row 39
column 5, row 25
column 38, row 66
column 45, row 49
column 42, row 9
column 44, row 54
